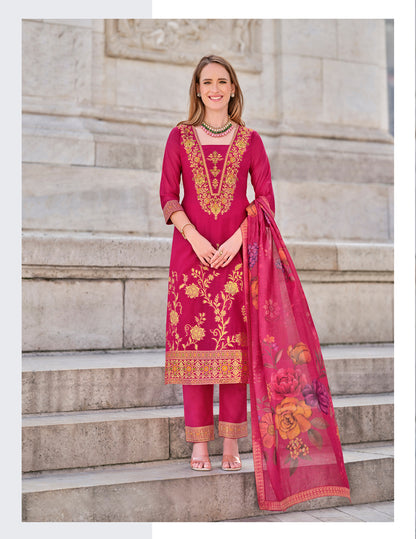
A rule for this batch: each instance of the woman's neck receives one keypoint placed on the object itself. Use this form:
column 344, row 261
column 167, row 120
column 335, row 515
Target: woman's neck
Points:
column 215, row 119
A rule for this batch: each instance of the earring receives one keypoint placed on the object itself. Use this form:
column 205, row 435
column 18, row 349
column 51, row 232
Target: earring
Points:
column 198, row 95
column 232, row 95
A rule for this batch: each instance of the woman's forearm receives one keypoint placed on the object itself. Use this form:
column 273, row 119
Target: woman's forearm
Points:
column 180, row 219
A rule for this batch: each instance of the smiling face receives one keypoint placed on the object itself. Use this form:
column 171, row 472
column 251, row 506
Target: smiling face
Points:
column 215, row 88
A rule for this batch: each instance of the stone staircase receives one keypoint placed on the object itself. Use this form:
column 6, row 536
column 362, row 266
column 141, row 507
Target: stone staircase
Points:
column 103, row 439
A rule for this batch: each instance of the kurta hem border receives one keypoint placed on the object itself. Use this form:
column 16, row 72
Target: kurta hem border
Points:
column 206, row 381
column 198, row 367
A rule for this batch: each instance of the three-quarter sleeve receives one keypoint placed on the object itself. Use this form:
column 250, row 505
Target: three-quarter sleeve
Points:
column 171, row 175
column 261, row 177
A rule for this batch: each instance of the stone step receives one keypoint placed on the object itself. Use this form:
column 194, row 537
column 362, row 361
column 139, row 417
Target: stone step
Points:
column 104, row 437
column 365, row 512
column 59, row 382
column 171, row 491
column 90, row 291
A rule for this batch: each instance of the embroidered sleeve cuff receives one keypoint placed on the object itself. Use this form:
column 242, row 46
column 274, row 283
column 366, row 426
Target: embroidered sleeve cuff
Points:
column 170, row 207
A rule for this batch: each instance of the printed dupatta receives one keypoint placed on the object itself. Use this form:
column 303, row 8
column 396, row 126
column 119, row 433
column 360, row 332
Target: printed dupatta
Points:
column 296, row 445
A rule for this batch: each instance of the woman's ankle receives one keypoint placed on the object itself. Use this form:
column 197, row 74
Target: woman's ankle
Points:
column 230, row 446
column 200, row 448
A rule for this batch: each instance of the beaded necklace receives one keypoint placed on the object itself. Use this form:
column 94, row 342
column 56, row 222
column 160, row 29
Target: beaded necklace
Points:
column 217, row 131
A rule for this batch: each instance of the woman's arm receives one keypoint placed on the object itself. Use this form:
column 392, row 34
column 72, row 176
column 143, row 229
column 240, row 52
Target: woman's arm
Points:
column 201, row 246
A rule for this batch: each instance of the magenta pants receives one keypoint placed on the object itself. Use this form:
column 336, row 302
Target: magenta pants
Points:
column 199, row 416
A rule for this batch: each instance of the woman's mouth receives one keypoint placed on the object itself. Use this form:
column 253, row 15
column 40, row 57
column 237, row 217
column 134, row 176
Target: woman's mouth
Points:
column 215, row 98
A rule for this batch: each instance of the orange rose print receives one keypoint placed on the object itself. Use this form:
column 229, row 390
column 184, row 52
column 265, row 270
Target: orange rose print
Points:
column 255, row 293
column 299, row 353
column 282, row 256
column 267, row 430
column 292, row 418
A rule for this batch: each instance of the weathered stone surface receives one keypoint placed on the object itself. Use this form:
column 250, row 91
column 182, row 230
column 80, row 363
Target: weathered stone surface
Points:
column 86, row 198
column 351, row 312
column 97, row 438
column 312, row 37
column 332, row 211
column 351, row 93
column 362, row 40
column 71, row 315
column 298, row 158
column 320, row 256
column 145, row 313
column 108, row 251
column 138, row 154
column 62, row 150
column 56, row 61
column 94, row 381
column 365, row 257
column 149, row 493
column 301, row 88
column 135, row 88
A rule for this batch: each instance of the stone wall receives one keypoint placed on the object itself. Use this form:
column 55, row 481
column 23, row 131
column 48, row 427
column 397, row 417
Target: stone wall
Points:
column 99, row 99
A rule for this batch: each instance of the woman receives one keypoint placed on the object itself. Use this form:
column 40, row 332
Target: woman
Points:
column 214, row 291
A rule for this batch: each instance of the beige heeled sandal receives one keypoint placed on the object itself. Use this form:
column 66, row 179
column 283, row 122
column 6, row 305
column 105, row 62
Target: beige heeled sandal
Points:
column 204, row 460
column 231, row 459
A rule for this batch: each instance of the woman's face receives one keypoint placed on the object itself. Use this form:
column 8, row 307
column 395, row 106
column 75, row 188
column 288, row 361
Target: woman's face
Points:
column 215, row 87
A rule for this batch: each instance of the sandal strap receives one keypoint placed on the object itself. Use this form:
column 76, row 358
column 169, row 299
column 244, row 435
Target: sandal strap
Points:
column 205, row 460
column 231, row 458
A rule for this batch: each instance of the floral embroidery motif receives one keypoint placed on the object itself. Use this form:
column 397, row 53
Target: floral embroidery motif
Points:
column 200, row 347
column 221, row 304
column 215, row 196
column 173, row 338
column 197, row 332
column 215, row 157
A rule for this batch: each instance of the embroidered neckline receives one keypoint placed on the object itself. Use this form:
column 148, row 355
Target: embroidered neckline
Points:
column 218, row 200
column 224, row 165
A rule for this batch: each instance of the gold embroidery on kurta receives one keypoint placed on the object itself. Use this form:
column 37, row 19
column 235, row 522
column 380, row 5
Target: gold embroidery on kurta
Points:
column 206, row 367
column 173, row 338
column 220, row 305
column 215, row 158
column 215, row 197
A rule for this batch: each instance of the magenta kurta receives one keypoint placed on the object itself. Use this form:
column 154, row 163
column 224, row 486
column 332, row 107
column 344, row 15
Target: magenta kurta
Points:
column 206, row 334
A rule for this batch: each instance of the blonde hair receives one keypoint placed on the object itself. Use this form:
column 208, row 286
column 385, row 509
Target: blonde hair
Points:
column 196, row 106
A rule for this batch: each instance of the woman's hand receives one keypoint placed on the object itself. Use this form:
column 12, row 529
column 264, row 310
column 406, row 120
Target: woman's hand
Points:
column 201, row 246
column 228, row 250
